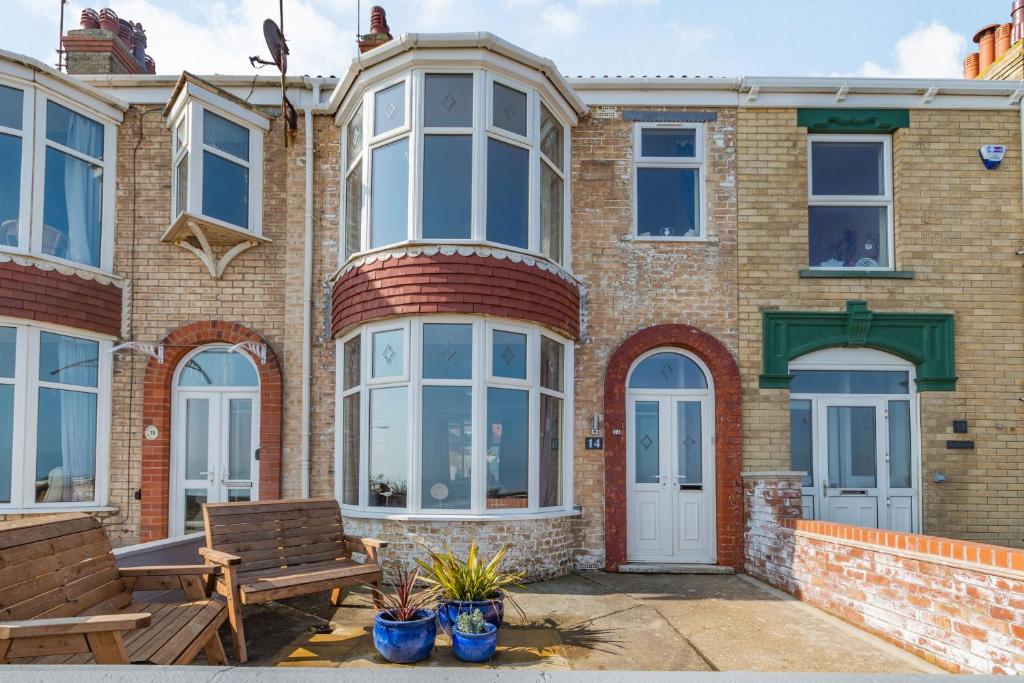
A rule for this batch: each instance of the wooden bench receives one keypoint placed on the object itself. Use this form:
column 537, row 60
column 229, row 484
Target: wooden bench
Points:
column 281, row 549
column 63, row 600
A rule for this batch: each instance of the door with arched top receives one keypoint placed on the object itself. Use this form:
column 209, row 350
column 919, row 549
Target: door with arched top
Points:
column 215, row 434
column 670, row 459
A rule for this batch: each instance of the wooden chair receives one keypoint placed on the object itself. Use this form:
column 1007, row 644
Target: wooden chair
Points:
column 281, row 549
column 63, row 600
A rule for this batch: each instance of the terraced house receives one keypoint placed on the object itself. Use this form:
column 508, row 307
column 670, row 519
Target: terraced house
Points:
column 473, row 298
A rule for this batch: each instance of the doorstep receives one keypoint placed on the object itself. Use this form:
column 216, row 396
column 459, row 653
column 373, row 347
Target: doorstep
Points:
column 667, row 568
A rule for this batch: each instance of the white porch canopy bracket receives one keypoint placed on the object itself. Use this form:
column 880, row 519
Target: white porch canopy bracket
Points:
column 155, row 351
column 257, row 349
column 205, row 251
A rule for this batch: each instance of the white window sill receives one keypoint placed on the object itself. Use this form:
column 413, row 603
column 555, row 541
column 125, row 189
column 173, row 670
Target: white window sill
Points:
column 708, row 239
column 57, row 509
column 429, row 517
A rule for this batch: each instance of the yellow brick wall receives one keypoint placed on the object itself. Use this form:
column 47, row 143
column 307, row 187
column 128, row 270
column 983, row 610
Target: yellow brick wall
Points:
column 633, row 285
column 957, row 226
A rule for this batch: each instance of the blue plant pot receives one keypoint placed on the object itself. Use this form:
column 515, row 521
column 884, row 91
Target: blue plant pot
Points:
column 475, row 647
column 404, row 642
column 449, row 610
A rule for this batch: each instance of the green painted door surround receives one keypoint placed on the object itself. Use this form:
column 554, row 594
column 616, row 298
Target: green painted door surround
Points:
column 924, row 339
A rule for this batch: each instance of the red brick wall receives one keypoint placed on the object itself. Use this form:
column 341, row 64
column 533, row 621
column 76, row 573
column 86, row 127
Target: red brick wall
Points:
column 957, row 604
column 728, row 437
column 156, row 454
column 474, row 284
column 49, row 296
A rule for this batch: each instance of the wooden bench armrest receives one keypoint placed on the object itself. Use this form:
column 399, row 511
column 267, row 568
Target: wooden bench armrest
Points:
column 171, row 570
column 221, row 558
column 36, row 628
column 366, row 546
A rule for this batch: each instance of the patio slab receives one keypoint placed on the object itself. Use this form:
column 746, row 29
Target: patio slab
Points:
column 599, row 621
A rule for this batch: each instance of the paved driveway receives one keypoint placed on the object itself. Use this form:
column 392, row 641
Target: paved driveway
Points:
column 594, row 620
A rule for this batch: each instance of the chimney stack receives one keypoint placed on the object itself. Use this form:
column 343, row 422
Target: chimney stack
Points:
column 380, row 32
column 106, row 44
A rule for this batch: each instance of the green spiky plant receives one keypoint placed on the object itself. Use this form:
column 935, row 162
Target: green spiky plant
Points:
column 472, row 579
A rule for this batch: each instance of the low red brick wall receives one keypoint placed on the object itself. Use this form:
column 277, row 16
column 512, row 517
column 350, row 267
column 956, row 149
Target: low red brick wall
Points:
column 957, row 604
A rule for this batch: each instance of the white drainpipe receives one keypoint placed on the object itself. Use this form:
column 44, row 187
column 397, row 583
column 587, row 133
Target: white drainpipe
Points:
column 307, row 289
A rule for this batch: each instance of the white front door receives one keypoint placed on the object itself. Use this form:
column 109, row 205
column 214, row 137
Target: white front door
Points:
column 670, row 475
column 215, row 453
column 853, row 430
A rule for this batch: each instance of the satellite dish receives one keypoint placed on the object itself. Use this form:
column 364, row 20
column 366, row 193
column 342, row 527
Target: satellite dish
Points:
column 275, row 43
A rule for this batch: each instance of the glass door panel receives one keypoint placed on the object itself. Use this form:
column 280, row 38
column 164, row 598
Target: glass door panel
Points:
column 689, row 445
column 647, row 443
column 239, row 470
column 853, row 447
column 198, row 444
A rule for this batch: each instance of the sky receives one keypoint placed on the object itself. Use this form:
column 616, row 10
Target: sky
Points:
column 906, row 38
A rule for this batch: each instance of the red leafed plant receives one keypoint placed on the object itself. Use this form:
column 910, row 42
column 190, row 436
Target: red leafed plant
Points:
column 407, row 600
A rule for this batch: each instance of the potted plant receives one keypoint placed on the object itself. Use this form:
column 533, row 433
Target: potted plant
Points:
column 470, row 584
column 473, row 638
column 405, row 628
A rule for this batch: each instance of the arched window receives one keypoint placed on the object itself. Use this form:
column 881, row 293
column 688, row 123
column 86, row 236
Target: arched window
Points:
column 667, row 370
column 218, row 367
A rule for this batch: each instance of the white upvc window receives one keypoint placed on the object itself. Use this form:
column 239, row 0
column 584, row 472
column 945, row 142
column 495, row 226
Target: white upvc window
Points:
column 455, row 155
column 850, row 206
column 669, row 182
column 57, row 169
column 217, row 160
column 454, row 416
column 54, row 417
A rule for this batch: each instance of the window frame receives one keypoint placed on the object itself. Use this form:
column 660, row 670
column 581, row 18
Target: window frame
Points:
column 26, row 135
column 26, row 406
column 480, row 380
column 190, row 108
column 348, row 166
column 481, row 131
column 697, row 162
column 883, row 200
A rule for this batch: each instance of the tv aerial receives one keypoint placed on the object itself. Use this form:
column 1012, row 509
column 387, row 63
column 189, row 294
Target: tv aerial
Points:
column 278, row 46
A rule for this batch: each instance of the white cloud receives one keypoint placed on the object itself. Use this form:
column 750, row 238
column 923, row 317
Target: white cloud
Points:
column 561, row 19
column 933, row 51
column 692, row 38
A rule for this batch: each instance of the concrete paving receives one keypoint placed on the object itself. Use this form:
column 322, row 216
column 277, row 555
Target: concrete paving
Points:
column 599, row 621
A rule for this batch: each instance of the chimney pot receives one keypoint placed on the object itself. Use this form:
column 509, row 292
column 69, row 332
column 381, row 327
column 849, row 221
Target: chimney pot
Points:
column 1017, row 17
column 986, row 40
column 971, row 66
column 378, row 20
column 1003, row 39
column 90, row 18
column 108, row 19
column 150, row 65
column 380, row 32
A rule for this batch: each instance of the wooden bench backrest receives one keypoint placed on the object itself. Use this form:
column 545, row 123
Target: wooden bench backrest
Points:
column 57, row 566
column 276, row 533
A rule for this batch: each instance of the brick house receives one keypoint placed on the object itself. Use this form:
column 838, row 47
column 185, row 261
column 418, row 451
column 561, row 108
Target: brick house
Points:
column 474, row 299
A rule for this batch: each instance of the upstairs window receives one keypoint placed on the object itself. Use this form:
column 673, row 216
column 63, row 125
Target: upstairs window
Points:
column 56, row 178
column 455, row 156
column 217, row 159
column 850, row 202
column 669, row 167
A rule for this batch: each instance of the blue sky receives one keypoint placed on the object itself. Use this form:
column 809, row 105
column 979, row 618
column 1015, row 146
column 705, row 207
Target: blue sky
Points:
column 926, row 38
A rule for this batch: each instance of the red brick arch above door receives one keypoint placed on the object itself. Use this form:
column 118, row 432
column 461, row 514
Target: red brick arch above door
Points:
column 156, row 412
column 728, row 437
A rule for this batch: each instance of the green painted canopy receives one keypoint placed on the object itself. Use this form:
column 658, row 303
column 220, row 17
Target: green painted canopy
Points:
column 852, row 120
column 924, row 339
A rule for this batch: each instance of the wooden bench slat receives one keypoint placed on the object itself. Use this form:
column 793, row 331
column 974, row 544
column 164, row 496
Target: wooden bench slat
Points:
column 285, row 554
column 215, row 510
column 24, row 531
column 185, row 637
column 12, row 558
column 255, row 534
column 287, row 544
column 271, row 520
column 174, row 621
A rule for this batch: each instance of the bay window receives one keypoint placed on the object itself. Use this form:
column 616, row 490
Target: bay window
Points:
column 452, row 416
column 54, row 418
column 217, row 159
column 56, row 178
column 850, row 202
column 455, row 155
